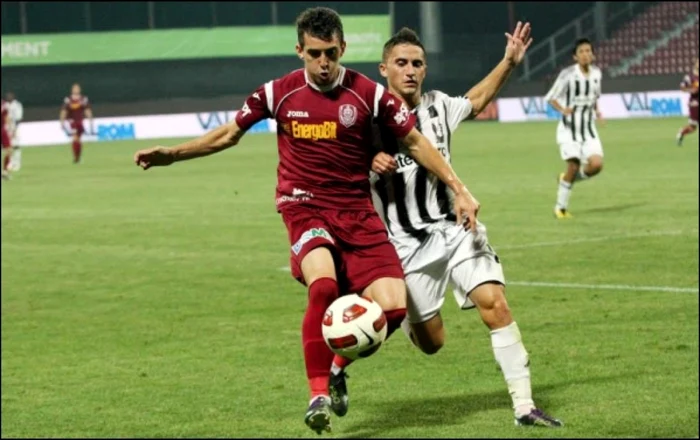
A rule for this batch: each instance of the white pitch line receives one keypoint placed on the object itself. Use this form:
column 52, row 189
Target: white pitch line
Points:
column 592, row 286
column 605, row 287
column 593, row 239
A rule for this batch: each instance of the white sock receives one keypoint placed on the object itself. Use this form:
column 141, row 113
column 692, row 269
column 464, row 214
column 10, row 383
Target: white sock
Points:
column 406, row 327
column 320, row 395
column 16, row 158
column 563, row 194
column 511, row 355
column 335, row 370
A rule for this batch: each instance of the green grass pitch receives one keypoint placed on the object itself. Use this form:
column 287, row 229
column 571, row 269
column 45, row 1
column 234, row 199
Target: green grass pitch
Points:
column 153, row 304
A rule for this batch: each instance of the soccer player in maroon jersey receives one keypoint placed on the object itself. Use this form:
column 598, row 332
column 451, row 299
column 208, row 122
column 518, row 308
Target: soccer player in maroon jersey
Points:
column 325, row 114
column 6, row 140
column 76, row 108
column 690, row 85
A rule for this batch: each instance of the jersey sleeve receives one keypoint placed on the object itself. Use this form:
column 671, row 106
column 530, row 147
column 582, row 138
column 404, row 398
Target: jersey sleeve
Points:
column 66, row 104
column 458, row 108
column 86, row 103
column 558, row 88
column 392, row 113
column 257, row 106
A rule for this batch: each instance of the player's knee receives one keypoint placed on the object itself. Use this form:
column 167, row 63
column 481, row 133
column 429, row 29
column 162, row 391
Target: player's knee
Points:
column 491, row 301
column 389, row 293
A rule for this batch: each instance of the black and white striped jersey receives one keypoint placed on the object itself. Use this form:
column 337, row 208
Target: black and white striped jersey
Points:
column 579, row 92
column 409, row 200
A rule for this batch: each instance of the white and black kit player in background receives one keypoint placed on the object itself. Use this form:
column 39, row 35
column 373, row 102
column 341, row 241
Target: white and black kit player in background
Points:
column 15, row 116
column 435, row 251
column 575, row 95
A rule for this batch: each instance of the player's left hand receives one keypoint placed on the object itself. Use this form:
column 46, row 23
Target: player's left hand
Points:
column 383, row 163
column 518, row 43
column 466, row 208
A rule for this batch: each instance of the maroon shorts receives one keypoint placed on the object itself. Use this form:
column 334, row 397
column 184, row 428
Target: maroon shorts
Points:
column 693, row 113
column 357, row 239
column 6, row 141
column 78, row 127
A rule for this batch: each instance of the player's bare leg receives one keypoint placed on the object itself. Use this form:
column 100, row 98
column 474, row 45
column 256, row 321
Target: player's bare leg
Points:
column 566, row 183
column 592, row 167
column 318, row 268
column 390, row 294
column 6, row 162
column 428, row 336
column 510, row 353
column 691, row 127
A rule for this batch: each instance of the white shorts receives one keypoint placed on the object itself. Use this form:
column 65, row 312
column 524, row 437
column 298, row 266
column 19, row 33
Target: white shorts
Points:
column 450, row 255
column 581, row 150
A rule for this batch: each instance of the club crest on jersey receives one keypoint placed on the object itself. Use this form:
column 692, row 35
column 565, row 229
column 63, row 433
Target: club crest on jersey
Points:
column 402, row 115
column 347, row 114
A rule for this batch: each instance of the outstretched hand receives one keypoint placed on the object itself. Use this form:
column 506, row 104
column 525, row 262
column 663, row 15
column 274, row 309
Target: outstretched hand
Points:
column 518, row 43
column 153, row 157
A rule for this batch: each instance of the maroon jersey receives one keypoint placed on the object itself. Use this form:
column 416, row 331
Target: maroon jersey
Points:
column 325, row 139
column 75, row 107
column 691, row 81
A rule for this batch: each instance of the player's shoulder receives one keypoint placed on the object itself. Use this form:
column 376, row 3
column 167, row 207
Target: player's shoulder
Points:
column 568, row 71
column 437, row 97
column 358, row 82
column 597, row 71
column 66, row 99
column 290, row 81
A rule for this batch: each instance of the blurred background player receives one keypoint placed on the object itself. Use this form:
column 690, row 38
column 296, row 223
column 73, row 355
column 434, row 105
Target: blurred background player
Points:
column 690, row 85
column 14, row 117
column 6, row 141
column 575, row 95
column 76, row 108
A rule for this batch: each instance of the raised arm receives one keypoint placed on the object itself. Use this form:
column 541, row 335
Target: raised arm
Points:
column 482, row 93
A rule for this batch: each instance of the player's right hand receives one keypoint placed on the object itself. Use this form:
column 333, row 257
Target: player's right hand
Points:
column 154, row 157
column 383, row 163
column 567, row 111
column 466, row 208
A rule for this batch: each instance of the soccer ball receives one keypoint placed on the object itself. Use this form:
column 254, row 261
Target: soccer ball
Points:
column 354, row 327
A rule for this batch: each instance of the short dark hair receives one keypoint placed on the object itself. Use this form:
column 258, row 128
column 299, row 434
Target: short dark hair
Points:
column 580, row 42
column 403, row 36
column 319, row 22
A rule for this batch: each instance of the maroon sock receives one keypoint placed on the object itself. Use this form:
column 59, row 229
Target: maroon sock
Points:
column 393, row 321
column 77, row 147
column 6, row 162
column 317, row 356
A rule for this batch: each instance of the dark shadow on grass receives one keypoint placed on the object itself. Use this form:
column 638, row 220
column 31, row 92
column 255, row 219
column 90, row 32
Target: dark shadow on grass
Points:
column 614, row 208
column 450, row 409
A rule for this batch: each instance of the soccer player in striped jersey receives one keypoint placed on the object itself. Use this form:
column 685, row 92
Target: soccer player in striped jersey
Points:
column 434, row 251
column 575, row 95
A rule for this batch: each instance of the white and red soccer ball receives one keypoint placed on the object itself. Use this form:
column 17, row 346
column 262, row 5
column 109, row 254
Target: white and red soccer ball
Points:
column 354, row 326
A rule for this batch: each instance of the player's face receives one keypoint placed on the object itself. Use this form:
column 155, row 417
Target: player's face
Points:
column 75, row 90
column 405, row 69
column 321, row 58
column 584, row 54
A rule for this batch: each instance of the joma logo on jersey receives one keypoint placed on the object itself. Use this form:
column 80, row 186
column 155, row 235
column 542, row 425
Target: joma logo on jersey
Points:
column 327, row 130
column 297, row 114
column 308, row 236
